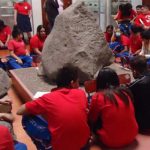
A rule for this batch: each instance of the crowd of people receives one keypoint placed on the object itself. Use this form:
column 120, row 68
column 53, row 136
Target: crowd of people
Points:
column 15, row 39
column 132, row 35
column 63, row 119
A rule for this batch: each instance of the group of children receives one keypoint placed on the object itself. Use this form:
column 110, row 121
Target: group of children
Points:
column 62, row 119
column 20, row 55
column 132, row 35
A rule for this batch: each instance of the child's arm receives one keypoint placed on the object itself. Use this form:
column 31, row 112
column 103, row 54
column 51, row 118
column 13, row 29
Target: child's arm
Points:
column 16, row 57
column 6, row 117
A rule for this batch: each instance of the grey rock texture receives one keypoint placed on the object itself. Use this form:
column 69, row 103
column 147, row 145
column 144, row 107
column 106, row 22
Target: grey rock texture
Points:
column 4, row 82
column 75, row 39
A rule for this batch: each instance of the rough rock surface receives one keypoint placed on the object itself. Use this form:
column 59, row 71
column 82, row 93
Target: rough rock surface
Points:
column 75, row 39
column 4, row 82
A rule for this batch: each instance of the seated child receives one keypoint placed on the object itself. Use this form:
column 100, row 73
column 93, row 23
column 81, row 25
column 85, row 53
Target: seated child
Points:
column 111, row 113
column 5, row 34
column 19, row 55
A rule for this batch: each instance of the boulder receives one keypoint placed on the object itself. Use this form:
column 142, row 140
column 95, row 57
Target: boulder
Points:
column 4, row 82
column 75, row 39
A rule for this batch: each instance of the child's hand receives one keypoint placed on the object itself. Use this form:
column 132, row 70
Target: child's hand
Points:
column 19, row 61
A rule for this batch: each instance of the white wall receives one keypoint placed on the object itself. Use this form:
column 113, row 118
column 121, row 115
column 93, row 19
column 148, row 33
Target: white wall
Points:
column 136, row 2
column 37, row 14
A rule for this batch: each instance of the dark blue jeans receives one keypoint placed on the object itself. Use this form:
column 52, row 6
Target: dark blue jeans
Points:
column 13, row 64
column 37, row 128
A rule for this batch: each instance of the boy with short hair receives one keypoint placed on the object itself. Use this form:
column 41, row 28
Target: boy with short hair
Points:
column 65, row 110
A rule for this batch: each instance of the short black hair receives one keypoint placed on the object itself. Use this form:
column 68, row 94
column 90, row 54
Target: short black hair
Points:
column 2, row 24
column 139, row 63
column 146, row 34
column 66, row 74
column 16, row 31
column 39, row 28
column 136, row 29
column 139, row 6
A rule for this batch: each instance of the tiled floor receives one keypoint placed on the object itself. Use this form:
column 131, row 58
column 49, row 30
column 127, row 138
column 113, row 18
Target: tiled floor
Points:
column 21, row 135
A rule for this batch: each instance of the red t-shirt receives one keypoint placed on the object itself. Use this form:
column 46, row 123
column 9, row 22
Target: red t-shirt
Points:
column 120, row 17
column 143, row 19
column 22, row 8
column 17, row 46
column 4, row 34
column 36, row 42
column 66, row 114
column 119, row 126
column 108, row 36
column 125, row 41
column 6, row 141
column 135, row 43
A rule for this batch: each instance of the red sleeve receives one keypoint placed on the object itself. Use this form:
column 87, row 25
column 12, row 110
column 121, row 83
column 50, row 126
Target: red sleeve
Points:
column 37, row 106
column 6, row 141
column 34, row 42
column 119, row 15
column 134, row 13
column 16, row 6
column 8, row 30
column 125, row 40
column 29, row 6
column 137, row 20
column 95, row 107
column 11, row 45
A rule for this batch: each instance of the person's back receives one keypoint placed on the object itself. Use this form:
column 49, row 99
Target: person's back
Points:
column 140, row 89
column 65, row 110
column 113, row 110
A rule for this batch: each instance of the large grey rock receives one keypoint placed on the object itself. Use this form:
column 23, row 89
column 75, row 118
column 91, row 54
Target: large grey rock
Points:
column 76, row 39
column 4, row 82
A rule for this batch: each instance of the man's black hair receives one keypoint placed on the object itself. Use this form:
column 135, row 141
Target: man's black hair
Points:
column 139, row 63
column 136, row 29
column 146, row 34
column 66, row 74
column 139, row 6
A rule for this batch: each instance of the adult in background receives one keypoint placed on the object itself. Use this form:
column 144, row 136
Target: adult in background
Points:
column 22, row 14
column 51, row 8
column 5, row 34
column 141, row 91
column 65, row 110
column 111, row 114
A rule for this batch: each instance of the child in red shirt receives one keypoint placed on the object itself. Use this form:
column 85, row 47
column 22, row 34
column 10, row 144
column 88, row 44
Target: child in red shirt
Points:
column 19, row 56
column 135, row 40
column 109, row 33
column 65, row 110
column 22, row 13
column 37, row 41
column 111, row 112
column 5, row 34
column 143, row 19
